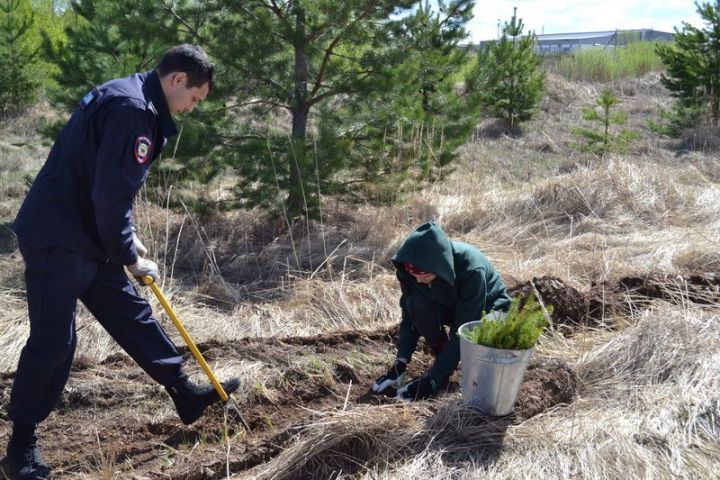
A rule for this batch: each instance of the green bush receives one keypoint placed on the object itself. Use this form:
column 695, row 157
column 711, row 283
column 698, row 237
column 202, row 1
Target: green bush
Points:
column 519, row 330
column 607, row 64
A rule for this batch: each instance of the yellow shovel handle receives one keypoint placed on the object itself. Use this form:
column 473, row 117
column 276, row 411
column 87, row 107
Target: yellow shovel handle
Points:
column 147, row 280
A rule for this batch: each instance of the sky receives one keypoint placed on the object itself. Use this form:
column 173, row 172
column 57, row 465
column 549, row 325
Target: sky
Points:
column 570, row 16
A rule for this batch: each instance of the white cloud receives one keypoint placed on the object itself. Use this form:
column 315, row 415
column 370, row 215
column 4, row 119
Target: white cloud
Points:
column 564, row 16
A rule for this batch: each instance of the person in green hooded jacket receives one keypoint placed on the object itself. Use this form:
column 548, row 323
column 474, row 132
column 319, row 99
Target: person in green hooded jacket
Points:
column 443, row 283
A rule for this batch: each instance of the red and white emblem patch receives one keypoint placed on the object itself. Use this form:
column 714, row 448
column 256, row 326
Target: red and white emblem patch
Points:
column 143, row 149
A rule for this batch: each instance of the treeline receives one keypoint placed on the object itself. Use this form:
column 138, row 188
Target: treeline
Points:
column 362, row 98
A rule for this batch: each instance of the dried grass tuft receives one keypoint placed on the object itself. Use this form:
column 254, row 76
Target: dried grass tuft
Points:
column 704, row 138
column 665, row 346
column 348, row 441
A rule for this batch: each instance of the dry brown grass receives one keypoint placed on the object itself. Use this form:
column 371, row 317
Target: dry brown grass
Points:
column 21, row 155
column 649, row 402
column 647, row 409
column 705, row 139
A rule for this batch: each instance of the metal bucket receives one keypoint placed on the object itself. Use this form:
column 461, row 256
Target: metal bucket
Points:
column 491, row 377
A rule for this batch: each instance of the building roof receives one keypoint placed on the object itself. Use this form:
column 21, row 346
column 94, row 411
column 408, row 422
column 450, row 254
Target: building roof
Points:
column 557, row 37
column 574, row 36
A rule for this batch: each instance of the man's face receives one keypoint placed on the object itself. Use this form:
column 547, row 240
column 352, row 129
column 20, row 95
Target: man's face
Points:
column 181, row 99
column 425, row 277
column 420, row 275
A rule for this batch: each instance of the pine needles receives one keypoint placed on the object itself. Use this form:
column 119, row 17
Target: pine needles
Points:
column 518, row 330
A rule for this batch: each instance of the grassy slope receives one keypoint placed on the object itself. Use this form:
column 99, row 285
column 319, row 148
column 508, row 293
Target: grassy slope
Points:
column 649, row 400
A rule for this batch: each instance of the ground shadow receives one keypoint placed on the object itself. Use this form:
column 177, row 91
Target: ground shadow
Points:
column 464, row 433
column 495, row 129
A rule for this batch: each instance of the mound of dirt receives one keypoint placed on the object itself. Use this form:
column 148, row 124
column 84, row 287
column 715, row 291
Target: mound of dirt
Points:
column 574, row 309
column 702, row 289
column 571, row 307
column 548, row 382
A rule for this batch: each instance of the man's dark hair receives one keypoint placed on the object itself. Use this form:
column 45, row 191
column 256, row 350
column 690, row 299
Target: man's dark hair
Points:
column 191, row 60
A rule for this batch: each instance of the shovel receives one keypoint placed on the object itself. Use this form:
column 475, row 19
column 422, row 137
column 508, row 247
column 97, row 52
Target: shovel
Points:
column 229, row 402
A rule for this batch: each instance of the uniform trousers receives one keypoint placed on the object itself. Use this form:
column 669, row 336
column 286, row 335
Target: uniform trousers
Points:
column 55, row 279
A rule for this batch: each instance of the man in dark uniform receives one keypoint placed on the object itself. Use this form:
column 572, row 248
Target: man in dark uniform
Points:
column 443, row 283
column 75, row 234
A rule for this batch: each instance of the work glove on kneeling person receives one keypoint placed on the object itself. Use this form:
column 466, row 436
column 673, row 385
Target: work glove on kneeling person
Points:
column 393, row 378
column 418, row 389
column 143, row 267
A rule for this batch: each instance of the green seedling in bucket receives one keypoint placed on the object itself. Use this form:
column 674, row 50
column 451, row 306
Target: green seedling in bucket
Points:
column 518, row 330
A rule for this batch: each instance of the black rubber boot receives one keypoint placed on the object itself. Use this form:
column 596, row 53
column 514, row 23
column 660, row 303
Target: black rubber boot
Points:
column 23, row 456
column 191, row 399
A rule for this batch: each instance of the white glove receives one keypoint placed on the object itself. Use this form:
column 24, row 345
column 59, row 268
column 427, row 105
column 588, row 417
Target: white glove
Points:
column 142, row 268
column 139, row 247
column 395, row 377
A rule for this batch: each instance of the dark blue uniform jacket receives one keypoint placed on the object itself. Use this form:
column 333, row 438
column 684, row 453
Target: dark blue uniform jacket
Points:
column 82, row 198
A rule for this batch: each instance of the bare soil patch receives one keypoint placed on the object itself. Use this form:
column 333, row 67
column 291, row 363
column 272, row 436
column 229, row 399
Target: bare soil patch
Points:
column 104, row 420
column 701, row 289
column 596, row 306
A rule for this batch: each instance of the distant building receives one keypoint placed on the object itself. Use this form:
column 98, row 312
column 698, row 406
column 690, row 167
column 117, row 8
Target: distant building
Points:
column 568, row 42
column 552, row 43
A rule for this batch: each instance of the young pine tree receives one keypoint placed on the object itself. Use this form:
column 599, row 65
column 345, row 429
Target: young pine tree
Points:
column 305, row 90
column 298, row 59
column 507, row 75
column 605, row 139
column 692, row 62
column 416, row 126
column 18, row 85
column 303, row 60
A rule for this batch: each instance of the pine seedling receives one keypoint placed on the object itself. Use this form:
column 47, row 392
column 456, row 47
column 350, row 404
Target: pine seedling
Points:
column 604, row 140
column 519, row 330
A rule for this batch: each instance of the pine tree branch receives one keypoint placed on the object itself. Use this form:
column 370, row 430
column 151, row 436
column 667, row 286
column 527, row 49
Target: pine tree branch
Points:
column 273, row 84
column 257, row 82
column 335, row 91
column 190, row 29
column 277, row 10
column 234, row 141
column 323, row 66
column 327, row 94
column 331, row 47
column 283, row 19
column 346, row 57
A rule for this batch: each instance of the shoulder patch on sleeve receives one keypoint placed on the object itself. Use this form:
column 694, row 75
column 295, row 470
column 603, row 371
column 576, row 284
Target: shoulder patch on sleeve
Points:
column 88, row 99
column 143, row 149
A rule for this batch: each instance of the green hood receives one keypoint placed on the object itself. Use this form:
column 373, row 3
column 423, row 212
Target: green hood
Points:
column 429, row 249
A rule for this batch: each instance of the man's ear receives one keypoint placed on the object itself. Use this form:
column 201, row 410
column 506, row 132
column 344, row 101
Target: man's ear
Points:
column 179, row 79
